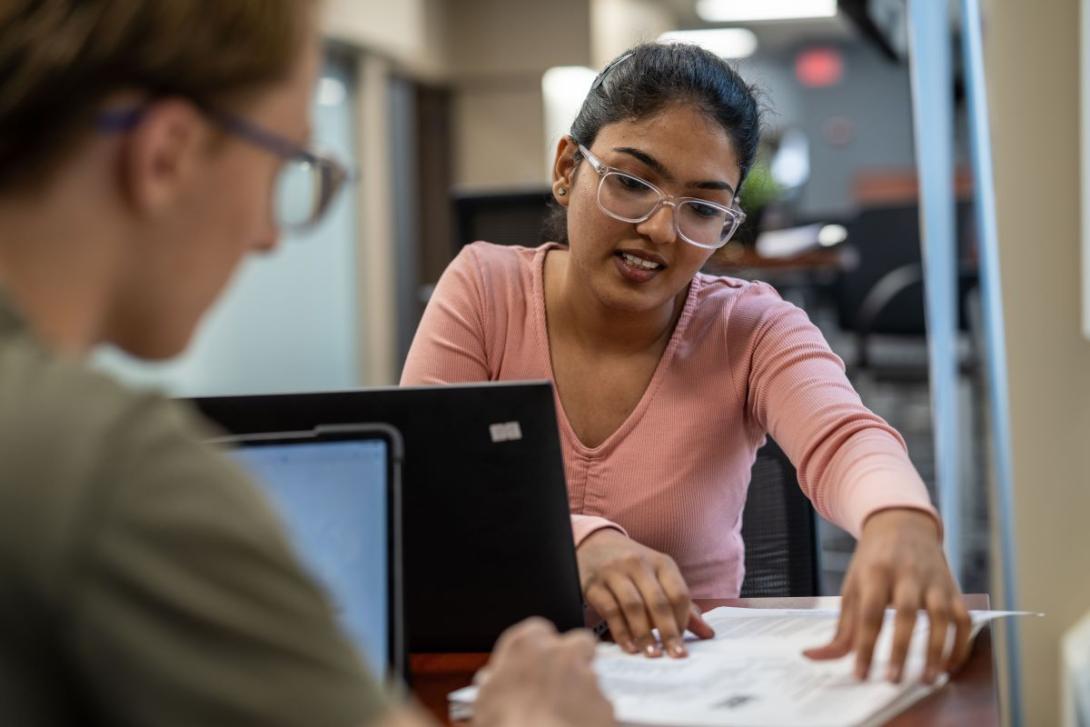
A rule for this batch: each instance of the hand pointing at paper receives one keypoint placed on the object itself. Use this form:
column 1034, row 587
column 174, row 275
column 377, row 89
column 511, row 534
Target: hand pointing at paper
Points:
column 899, row 563
column 636, row 589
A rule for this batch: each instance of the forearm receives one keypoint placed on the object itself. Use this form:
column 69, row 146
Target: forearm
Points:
column 850, row 462
column 869, row 472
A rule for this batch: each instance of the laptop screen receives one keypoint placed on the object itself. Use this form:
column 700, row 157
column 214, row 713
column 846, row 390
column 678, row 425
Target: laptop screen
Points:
column 332, row 497
column 458, row 500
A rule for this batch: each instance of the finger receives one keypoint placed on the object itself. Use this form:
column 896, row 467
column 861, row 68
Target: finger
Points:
column 661, row 609
column 519, row 645
column 568, row 656
column 677, row 592
column 575, row 653
column 523, row 634
column 676, row 589
column 698, row 625
column 938, row 612
column 872, row 610
column 963, row 632
column 601, row 599
column 575, row 679
column 635, row 613
column 841, row 642
column 580, row 643
column 906, row 599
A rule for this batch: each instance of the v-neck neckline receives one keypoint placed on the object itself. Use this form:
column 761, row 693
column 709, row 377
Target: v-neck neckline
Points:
column 648, row 395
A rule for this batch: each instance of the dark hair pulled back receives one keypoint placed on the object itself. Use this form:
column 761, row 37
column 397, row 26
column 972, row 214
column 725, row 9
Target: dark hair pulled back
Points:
column 652, row 76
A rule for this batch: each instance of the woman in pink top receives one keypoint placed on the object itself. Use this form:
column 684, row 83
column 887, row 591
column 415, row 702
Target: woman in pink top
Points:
column 667, row 380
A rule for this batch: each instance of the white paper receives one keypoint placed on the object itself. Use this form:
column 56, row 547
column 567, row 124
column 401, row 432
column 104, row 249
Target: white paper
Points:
column 753, row 673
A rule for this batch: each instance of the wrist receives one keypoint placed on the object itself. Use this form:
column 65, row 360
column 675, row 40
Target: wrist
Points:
column 602, row 535
column 902, row 519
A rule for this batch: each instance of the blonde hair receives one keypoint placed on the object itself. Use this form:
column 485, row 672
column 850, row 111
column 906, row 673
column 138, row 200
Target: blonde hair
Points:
column 60, row 59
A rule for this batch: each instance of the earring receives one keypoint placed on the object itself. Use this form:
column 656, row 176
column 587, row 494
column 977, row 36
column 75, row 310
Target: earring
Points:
column 562, row 191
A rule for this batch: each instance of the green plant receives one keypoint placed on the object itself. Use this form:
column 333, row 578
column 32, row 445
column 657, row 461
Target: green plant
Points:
column 759, row 189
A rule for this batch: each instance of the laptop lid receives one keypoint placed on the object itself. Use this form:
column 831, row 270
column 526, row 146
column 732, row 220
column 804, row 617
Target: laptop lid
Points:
column 337, row 490
column 487, row 530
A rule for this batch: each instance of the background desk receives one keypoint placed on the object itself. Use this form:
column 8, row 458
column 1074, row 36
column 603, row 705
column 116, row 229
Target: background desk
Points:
column 969, row 699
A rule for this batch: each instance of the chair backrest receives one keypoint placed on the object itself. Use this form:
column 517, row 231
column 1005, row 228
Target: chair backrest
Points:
column 503, row 218
column 886, row 238
column 779, row 531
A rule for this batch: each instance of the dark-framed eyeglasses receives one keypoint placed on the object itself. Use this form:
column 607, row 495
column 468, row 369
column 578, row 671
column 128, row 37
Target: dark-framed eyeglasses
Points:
column 307, row 183
column 629, row 198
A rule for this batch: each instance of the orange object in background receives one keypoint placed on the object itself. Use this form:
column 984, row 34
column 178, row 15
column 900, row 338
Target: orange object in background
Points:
column 875, row 187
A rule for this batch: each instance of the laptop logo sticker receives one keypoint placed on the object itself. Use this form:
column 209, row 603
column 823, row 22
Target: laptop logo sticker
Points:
column 505, row 432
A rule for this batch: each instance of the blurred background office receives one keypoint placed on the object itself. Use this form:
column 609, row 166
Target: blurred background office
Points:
column 450, row 110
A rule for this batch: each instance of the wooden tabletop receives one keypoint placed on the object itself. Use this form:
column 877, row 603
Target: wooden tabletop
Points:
column 970, row 698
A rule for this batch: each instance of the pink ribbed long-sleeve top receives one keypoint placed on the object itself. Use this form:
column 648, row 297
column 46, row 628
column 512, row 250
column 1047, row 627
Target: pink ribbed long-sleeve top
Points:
column 741, row 363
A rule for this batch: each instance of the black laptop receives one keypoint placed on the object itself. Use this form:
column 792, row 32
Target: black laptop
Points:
column 337, row 490
column 486, row 526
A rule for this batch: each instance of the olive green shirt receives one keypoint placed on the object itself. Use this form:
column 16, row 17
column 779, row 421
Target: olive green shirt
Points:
column 143, row 579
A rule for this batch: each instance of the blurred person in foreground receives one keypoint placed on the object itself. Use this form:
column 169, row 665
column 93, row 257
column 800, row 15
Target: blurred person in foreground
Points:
column 144, row 579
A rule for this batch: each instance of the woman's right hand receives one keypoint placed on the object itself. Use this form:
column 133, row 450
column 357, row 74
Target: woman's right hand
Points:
column 635, row 589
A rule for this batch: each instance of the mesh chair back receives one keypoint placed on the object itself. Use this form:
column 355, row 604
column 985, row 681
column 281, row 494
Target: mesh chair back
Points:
column 779, row 531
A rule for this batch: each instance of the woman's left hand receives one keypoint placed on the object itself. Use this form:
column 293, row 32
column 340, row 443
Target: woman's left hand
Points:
column 899, row 561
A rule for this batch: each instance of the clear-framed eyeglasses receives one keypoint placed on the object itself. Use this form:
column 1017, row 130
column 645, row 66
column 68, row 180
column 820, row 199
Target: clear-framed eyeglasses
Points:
column 306, row 185
column 628, row 198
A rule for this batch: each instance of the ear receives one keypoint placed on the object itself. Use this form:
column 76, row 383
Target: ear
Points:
column 162, row 153
column 564, row 170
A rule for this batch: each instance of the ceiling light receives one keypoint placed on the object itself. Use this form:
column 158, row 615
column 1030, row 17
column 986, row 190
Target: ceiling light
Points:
column 740, row 11
column 724, row 42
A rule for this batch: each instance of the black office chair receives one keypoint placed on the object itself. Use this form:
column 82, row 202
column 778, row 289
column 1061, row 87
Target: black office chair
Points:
column 882, row 294
column 883, row 311
column 779, row 531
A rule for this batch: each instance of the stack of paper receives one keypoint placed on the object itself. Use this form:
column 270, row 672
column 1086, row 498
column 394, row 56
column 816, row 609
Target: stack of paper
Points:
column 753, row 673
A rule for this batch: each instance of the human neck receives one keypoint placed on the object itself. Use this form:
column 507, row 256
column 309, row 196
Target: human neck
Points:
column 589, row 322
column 57, row 261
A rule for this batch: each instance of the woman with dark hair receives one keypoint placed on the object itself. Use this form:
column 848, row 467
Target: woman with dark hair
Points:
column 668, row 380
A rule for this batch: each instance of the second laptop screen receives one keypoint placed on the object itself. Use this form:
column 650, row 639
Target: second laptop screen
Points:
column 332, row 497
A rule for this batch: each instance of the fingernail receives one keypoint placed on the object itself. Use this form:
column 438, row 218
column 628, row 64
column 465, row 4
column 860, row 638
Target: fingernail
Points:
column 678, row 651
column 628, row 646
column 652, row 650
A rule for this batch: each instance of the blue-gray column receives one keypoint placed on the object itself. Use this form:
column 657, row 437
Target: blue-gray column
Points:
column 933, row 122
column 994, row 331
